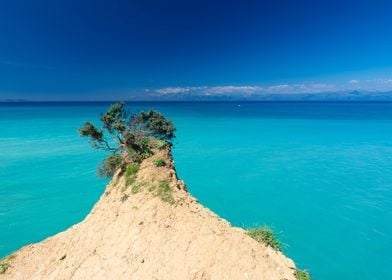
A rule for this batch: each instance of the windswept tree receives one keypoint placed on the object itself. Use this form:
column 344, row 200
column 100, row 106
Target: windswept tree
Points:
column 127, row 137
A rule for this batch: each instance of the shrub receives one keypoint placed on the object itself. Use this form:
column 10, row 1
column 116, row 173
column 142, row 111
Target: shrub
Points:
column 165, row 192
column 159, row 162
column 302, row 275
column 161, row 144
column 4, row 267
column 108, row 166
column 153, row 123
column 4, row 263
column 144, row 143
column 265, row 235
column 127, row 134
column 134, row 155
column 146, row 154
column 130, row 173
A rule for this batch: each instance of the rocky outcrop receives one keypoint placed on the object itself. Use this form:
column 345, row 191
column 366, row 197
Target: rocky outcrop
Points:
column 151, row 229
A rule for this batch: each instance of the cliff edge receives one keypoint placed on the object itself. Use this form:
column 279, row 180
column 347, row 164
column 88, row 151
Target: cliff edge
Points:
column 147, row 226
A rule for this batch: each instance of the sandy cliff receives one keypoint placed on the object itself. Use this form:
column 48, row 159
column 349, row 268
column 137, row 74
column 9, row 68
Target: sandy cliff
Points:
column 131, row 233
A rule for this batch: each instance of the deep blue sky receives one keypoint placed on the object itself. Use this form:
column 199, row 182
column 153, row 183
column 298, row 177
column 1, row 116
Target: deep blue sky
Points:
column 75, row 49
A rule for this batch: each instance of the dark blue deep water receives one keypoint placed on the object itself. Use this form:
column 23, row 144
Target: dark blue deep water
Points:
column 320, row 174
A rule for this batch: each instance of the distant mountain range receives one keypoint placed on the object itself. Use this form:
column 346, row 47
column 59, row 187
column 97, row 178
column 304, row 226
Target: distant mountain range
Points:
column 326, row 96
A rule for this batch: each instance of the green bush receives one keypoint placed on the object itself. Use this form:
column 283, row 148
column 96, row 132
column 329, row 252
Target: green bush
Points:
column 131, row 135
column 4, row 267
column 265, row 235
column 159, row 162
column 4, row 263
column 302, row 275
column 108, row 166
column 130, row 173
column 135, row 156
column 165, row 192
column 144, row 143
column 161, row 144
column 146, row 154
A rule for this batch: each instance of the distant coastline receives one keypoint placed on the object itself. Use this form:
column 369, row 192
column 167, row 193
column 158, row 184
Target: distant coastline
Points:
column 24, row 101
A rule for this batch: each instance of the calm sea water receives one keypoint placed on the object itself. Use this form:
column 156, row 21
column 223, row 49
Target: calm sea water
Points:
column 320, row 174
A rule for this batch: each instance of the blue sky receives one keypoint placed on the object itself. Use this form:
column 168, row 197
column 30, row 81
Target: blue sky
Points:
column 106, row 50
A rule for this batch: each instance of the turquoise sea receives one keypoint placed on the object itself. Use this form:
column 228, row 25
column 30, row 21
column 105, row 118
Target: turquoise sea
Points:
column 320, row 174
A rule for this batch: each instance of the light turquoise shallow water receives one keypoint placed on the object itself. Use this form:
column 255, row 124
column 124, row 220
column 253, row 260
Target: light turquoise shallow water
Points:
column 319, row 173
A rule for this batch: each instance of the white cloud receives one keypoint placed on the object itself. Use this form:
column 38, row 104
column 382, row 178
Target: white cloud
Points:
column 232, row 89
column 372, row 85
column 179, row 90
column 173, row 90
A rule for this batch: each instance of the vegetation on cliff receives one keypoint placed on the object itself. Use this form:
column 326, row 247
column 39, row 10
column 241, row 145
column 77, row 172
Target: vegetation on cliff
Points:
column 5, row 263
column 129, row 138
column 302, row 275
column 265, row 235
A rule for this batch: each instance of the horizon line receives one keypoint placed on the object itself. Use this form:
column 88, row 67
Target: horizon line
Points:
column 198, row 101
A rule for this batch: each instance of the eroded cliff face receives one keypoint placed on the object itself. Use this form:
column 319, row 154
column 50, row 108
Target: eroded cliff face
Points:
column 150, row 229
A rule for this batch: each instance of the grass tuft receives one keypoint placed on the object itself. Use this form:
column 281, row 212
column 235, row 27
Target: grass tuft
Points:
column 161, row 144
column 4, row 263
column 130, row 173
column 147, row 154
column 265, row 235
column 159, row 162
column 302, row 275
column 165, row 192
column 4, row 267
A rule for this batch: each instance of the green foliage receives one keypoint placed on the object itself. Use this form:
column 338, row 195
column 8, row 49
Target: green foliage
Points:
column 114, row 120
column 265, row 235
column 128, row 134
column 161, row 144
column 5, row 264
column 134, row 155
column 4, row 267
column 159, row 162
column 144, row 143
column 165, row 192
column 302, row 275
column 146, row 154
column 130, row 173
column 95, row 135
column 154, row 124
column 88, row 129
column 108, row 166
